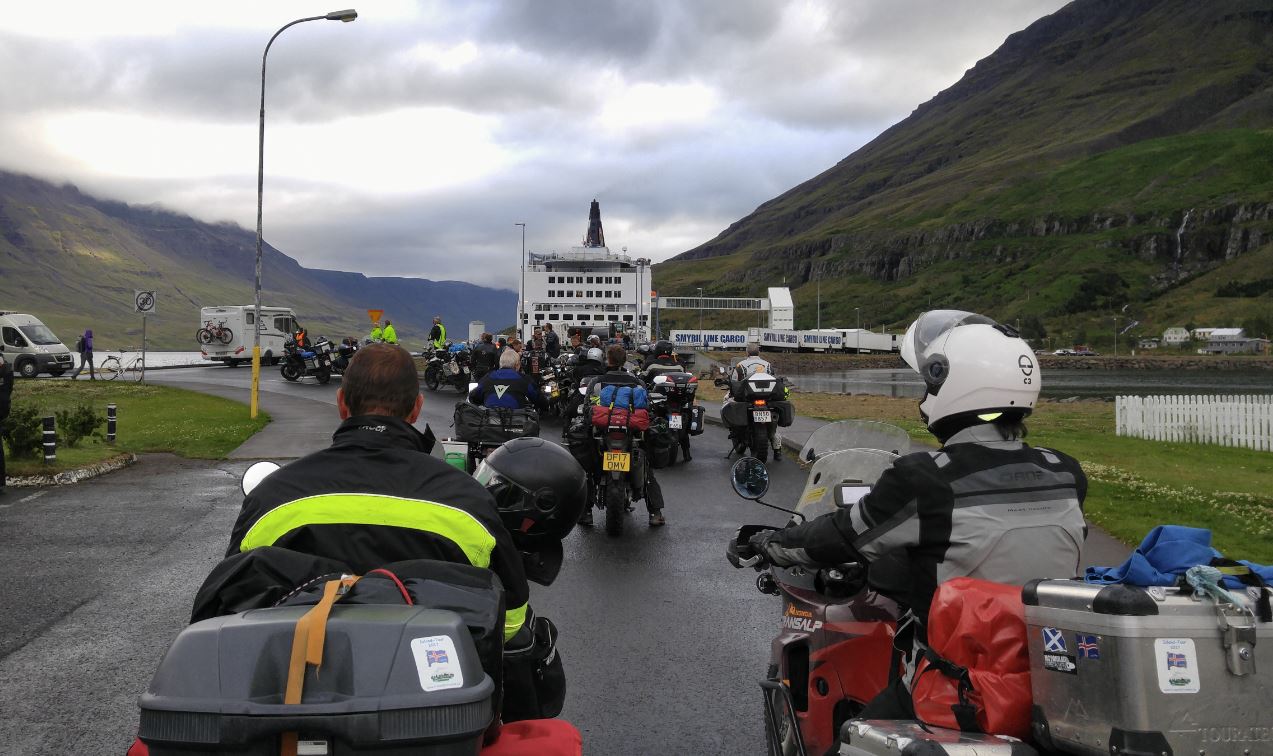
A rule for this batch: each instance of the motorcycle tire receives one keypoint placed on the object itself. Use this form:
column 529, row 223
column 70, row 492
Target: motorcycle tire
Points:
column 431, row 378
column 323, row 375
column 616, row 507
column 780, row 731
column 759, row 441
column 225, row 336
column 203, row 336
column 289, row 372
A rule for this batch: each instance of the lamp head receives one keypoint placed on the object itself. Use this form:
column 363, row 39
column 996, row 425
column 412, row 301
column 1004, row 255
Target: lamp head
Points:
column 342, row 15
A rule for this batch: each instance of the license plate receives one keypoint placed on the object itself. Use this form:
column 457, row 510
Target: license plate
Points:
column 674, row 422
column 762, row 416
column 616, row 461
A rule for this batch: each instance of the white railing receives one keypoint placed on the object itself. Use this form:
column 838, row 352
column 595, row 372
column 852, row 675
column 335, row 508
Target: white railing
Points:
column 1245, row 421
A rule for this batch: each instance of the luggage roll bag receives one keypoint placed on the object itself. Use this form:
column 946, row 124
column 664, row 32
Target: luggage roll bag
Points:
column 1149, row 670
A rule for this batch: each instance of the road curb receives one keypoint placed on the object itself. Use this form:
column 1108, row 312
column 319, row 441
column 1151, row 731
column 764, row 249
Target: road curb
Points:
column 69, row 477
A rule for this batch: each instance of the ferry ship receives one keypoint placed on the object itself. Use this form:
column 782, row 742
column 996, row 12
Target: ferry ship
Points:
column 588, row 288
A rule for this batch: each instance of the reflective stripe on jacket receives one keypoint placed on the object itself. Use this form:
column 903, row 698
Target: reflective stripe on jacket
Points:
column 376, row 496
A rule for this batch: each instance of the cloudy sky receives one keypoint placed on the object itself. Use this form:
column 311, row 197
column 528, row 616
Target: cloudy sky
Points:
column 410, row 141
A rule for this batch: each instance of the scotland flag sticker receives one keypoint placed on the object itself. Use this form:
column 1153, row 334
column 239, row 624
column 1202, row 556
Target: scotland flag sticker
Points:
column 1054, row 641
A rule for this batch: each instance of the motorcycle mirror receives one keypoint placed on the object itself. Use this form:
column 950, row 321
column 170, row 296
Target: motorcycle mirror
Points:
column 253, row 476
column 544, row 563
column 750, row 478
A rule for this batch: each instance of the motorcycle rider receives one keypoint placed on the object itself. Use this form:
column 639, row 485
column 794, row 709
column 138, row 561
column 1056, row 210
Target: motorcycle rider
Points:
column 485, row 357
column 617, row 375
column 389, row 335
column 6, row 392
column 301, row 337
column 376, row 496
column 662, row 359
column 375, row 332
column 984, row 505
column 552, row 342
column 437, row 334
column 507, row 387
column 747, row 367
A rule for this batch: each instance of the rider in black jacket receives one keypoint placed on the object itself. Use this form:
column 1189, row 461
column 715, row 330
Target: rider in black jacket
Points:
column 6, row 391
column 616, row 375
column 985, row 505
column 508, row 387
column 485, row 357
column 376, row 496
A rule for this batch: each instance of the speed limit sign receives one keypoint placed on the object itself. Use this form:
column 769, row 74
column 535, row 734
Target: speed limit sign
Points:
column 144, row 302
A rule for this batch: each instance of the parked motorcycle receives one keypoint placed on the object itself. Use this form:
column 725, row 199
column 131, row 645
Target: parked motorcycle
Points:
column 550, row 384
column 449, row 367
column 344, row 353
column 756, row 408
column 481, row 430
column 832, row 653
column 673, row 409
column 299, row 363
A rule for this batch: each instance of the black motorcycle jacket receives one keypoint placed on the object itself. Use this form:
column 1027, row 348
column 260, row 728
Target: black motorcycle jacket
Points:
column 507, row 388
column 664, row 363
column 6, row 390
column 981, row 506
column 376, row 496
column 485, row 358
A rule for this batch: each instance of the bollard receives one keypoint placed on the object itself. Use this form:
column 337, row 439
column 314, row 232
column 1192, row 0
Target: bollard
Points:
column 110, row 423
column 50, row 442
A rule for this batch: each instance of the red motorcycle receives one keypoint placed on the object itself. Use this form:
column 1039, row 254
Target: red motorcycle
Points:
column 835, row 642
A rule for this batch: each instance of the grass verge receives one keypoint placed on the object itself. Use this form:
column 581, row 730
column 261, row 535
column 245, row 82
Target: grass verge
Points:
column 151, row 419
column 1134, row 484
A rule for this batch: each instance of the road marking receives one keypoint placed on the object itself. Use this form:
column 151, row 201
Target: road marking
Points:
column 32, row 497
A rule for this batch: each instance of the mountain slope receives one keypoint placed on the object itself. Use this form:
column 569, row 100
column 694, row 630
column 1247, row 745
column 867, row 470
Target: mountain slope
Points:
column 75, row 260
column 1098, row 158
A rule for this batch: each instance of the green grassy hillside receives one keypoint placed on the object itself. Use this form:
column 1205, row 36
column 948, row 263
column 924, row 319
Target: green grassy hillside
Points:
column 1112, row 159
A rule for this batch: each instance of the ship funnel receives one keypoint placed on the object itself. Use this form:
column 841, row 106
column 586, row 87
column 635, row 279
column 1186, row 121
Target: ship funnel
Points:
column 595, row 237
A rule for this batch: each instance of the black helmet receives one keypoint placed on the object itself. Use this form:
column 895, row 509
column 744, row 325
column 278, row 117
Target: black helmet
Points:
column 663, row 347
column 539, row 488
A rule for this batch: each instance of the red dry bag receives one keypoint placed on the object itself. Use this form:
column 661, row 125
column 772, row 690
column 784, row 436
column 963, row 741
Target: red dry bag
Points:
column 975, row 674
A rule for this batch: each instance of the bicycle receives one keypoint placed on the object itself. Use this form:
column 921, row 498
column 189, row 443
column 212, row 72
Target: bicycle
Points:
column 209, row 332
column 112, row 366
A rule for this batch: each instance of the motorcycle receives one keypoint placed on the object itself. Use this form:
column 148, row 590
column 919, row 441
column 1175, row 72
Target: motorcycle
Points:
column 833, row 651
column 399, row 675
column 757, row 406
column 672, row 402
column 344, row 353
column 549, row 381
column 449, row 367
column 481, row 430
column 299, row 363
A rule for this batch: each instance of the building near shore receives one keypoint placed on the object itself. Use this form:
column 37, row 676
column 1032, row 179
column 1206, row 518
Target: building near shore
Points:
column 1175, row 336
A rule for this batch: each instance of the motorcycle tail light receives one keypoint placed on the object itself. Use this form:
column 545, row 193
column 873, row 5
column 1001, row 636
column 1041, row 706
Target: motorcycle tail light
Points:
column 760, row 402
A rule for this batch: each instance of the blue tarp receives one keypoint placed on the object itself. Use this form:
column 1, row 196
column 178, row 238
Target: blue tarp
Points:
column 1165, row 554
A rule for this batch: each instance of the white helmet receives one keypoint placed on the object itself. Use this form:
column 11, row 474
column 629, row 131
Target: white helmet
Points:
column 971, row 365
column 595, row 354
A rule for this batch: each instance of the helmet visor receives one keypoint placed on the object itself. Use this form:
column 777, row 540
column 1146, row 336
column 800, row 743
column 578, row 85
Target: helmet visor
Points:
column 509, row 497
column 929, row 327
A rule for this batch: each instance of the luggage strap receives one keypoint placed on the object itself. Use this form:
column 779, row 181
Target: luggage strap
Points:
column 307, row 647
column 965, row 711
column 1248, row 577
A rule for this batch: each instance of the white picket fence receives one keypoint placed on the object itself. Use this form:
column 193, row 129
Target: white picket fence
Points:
column 1245, row 421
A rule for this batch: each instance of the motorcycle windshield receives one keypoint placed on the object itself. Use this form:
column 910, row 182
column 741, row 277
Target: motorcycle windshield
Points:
column 840, row 478
column 854, row 434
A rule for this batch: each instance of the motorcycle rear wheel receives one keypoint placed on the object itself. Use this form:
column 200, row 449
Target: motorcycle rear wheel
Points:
column 323, row 375
column 616, row 507
column 760, row 441
column 431, row 378
column 289, row 372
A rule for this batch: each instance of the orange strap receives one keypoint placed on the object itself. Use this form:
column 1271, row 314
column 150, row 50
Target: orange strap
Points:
column 307, row 647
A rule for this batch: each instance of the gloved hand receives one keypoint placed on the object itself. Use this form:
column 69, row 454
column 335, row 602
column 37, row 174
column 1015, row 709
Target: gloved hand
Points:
column 768, row 546
column 759, row 544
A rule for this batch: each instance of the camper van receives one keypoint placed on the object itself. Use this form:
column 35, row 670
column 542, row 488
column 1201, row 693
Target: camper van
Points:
column 232, row 326
column 31, row 347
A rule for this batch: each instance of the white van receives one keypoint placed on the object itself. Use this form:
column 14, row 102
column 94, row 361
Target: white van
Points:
column 31, row 347
column 235, row 346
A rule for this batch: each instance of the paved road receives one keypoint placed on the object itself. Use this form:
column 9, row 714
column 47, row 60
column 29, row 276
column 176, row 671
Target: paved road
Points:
column 662, row 640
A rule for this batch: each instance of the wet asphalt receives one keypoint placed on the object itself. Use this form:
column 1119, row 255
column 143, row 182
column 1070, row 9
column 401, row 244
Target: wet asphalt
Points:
column 663, row 642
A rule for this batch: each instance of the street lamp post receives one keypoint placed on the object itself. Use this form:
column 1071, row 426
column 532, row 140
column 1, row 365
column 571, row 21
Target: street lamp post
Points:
column 857, row 332
column 344, row 16
column 701, row 345
column 521, row 297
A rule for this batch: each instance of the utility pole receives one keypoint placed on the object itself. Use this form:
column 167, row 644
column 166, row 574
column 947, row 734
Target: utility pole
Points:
column 701, row 345
column 857, row 332
column 819, row 304
column 521, row 297
column 1115, row 335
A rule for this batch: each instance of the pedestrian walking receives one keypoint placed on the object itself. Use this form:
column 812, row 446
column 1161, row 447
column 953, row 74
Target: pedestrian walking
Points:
column 6, row 391
column 85, row 346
